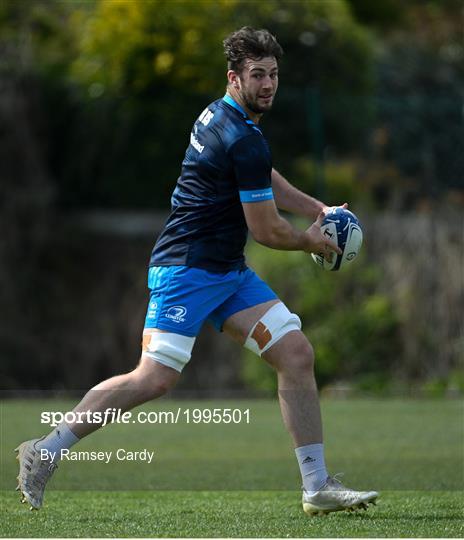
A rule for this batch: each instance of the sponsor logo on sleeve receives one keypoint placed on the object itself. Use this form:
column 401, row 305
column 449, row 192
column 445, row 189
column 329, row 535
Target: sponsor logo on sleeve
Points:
column 195, row 143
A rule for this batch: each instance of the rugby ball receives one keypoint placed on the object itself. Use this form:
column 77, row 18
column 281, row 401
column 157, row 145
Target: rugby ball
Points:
column 342, row 227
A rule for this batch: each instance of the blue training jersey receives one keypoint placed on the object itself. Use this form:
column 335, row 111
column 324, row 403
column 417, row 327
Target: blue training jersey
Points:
column 227, row 162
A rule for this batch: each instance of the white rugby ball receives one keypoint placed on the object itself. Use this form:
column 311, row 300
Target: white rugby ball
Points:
column 343, row 228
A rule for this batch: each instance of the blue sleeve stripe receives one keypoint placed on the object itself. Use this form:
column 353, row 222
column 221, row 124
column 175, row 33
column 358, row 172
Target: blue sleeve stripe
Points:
column 256, row 195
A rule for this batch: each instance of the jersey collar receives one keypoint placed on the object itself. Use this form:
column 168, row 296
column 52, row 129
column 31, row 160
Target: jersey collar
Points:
column 230, row 101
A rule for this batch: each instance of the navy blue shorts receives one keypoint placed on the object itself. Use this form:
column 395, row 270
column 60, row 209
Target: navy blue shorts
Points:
column 182, row 298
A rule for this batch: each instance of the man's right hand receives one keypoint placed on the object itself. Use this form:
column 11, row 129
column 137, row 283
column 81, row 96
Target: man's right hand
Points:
column 270, row 229
column 318, row 243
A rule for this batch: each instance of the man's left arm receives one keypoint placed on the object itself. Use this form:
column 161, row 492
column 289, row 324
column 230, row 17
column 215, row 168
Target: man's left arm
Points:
column 291, row 199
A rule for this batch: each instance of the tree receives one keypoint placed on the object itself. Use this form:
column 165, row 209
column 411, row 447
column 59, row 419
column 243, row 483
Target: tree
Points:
column 153, row 65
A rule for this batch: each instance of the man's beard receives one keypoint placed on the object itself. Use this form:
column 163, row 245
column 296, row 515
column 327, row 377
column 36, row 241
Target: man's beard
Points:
column 253, row 105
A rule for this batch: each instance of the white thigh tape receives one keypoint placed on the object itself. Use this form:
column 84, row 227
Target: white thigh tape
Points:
column 172, row 350
column 273, row 325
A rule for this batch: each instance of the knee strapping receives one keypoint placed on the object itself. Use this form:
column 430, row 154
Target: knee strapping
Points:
column 273, row 325
column 171, row 350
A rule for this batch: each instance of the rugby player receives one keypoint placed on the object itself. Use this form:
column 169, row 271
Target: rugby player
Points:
column 198, row 273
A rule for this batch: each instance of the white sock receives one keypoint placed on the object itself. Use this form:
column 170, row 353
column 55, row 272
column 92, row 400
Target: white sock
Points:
column 60, row 438
column 312, row 466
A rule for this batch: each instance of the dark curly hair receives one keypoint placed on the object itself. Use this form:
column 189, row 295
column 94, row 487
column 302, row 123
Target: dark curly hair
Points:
column 250, row 43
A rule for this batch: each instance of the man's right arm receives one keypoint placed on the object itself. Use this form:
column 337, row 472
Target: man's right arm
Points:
column 253, row 171
column 272, row 230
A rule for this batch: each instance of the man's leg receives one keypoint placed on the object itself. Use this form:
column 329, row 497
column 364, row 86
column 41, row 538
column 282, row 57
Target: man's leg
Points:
column 149, row 380
column 293, row 359
column 291, row 355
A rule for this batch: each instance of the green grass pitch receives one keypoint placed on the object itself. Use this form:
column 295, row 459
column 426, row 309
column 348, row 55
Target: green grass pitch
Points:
column 242, row 480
